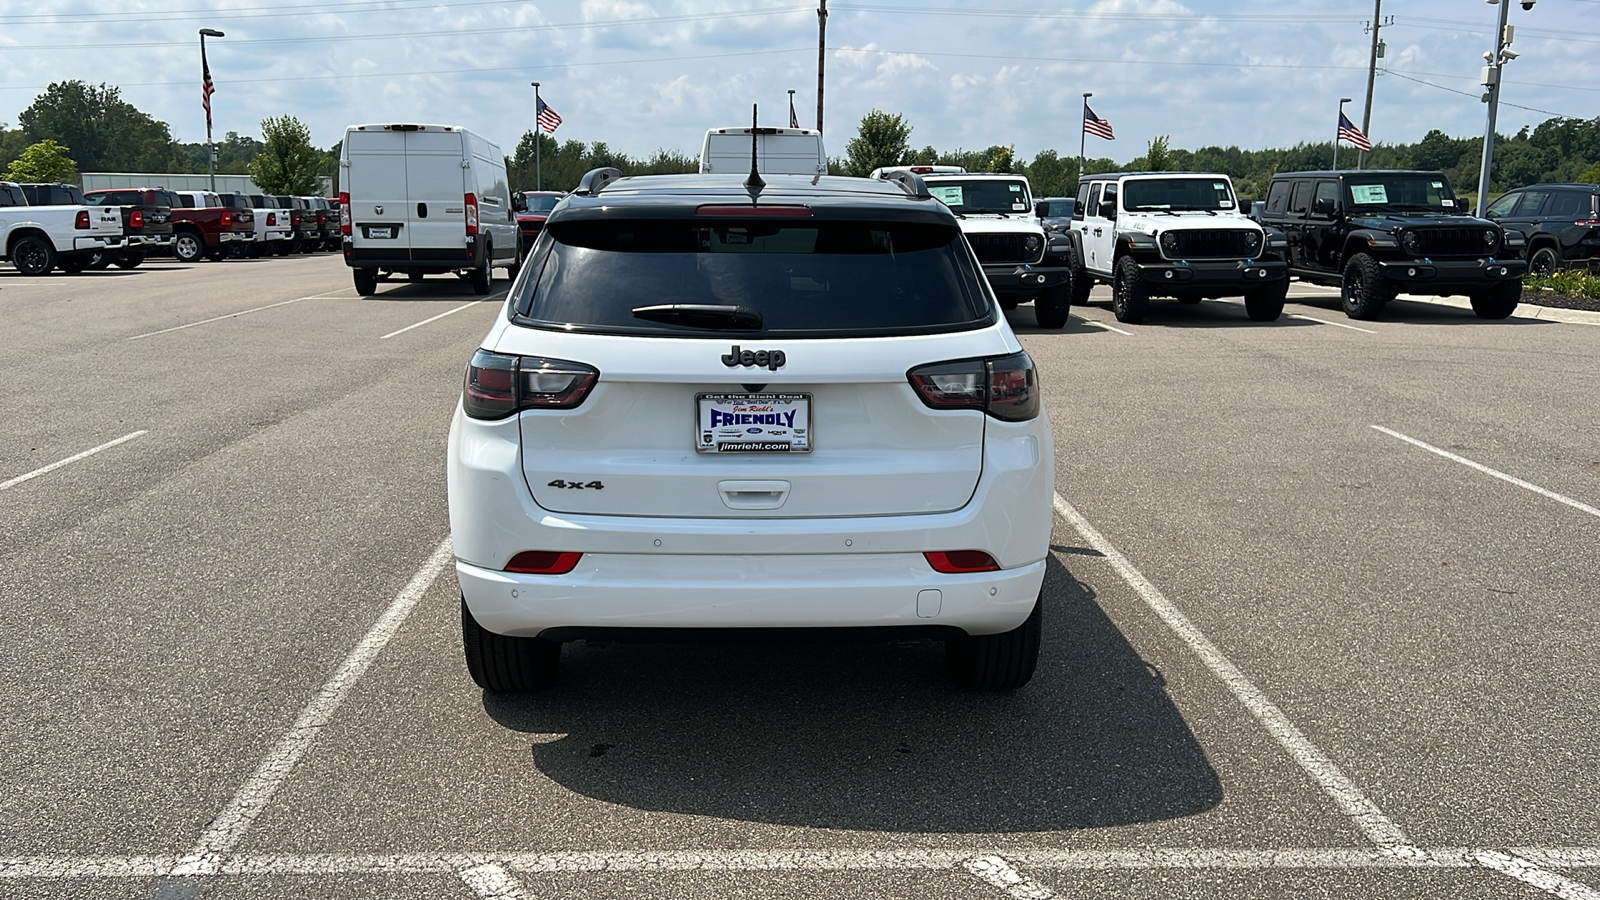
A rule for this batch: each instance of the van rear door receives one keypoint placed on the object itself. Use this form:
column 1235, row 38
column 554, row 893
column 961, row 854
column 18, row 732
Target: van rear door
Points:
column 436, row 187
column 380, row 227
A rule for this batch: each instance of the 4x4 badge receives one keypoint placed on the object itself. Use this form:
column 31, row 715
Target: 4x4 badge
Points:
column 772, row 359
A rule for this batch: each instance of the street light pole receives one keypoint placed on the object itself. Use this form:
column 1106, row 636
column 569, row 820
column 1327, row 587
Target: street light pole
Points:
column 1342, row 102
column 205, row 87
column 1496, row 59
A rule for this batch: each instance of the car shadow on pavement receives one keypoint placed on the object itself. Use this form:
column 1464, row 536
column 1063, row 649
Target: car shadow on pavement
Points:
column 437, row 287
column 873, row 736
column 1411, row 312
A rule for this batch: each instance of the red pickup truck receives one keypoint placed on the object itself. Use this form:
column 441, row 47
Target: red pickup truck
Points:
column 203, row 226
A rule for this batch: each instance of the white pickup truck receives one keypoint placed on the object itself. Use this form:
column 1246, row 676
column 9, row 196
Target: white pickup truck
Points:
column 36, row 239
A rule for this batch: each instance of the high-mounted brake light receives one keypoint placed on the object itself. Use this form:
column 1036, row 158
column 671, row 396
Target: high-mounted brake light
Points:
column 344, row 212
column 792, row 211
column 81, row 220
column 543, row 562
column 1005, row 388
column 472, row 213
column 136, row 218
column 499, row 384
column 957, row 562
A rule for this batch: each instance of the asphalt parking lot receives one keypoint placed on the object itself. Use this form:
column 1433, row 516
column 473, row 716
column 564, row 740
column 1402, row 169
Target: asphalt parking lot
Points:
column 1320, row 623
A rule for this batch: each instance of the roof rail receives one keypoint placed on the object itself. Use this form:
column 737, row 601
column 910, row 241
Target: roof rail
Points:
column 912, row 183
column 595, row 181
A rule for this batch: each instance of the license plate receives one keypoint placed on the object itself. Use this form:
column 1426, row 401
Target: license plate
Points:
column 753, row 423
column 384, row 232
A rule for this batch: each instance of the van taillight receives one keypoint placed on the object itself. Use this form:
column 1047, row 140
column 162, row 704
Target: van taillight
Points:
column 81, row 220
column 498, row 384
column 1004, row 388
column 344, row 212
column 136, row 218
column 472, row 213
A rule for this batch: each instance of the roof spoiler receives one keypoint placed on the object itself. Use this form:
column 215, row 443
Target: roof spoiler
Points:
column 595, row 181
column 911, row 182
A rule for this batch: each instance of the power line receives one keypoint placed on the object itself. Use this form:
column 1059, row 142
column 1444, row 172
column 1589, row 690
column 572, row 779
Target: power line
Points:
column 1470, row 94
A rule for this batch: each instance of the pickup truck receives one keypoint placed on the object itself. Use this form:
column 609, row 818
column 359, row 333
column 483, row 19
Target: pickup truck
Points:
column 327, row 222
column 304, row 222
column 274, row 226
column 202, row 226
column 146, row 214
column 38, row 238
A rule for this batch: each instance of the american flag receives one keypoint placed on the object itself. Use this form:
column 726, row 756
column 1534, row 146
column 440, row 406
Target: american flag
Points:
column 206, row 88
column 1093, row 124
column 548, row 119
column 1349, row 132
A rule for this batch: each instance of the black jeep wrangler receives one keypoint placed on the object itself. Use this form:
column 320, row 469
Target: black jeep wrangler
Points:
column 1374, row 234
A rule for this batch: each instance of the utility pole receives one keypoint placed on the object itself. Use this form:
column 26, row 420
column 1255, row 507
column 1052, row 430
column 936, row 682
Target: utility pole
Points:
column 1496, row 59
column 822, row 50
column 1372, row 72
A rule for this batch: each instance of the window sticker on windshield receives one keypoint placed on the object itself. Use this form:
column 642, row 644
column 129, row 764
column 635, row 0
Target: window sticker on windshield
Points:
column 1369, row 193
column 1448, row 202
column 1014, row 187
column 1438, row 184
column 1218, row 186
column 949, row 196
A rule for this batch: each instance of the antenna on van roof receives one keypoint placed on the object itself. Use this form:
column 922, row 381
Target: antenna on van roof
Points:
column 754, row 184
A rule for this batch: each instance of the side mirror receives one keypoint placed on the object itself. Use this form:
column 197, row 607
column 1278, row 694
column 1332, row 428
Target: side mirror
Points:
column 1323, row 207
column 1108, row 209
column 519, row 202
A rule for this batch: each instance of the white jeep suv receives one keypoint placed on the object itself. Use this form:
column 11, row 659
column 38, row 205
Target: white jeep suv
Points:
column 722, row 404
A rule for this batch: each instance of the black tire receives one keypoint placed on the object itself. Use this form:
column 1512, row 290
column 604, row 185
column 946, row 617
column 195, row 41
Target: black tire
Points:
column 507, row 665
column 1499, row 301
column 1081, row 283
column 71, row 263
column 188, row 247
column 130, row 259
column 1265, row 303
column 1188, row 298
column 997, row 662
column 217, row 254
column 1130, row 296
column 33, row 255
column 1364, row 293
column 483, row 276
column 366, row 281
column 1544, row 261
column 1052, row 308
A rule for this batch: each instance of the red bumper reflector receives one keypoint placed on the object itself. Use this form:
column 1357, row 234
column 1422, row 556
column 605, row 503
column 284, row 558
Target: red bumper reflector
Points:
column 543, row 562
column 956, row 562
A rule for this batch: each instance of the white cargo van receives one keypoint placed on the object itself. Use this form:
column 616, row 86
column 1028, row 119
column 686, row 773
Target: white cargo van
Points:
column 779, row 151
column 423, row 200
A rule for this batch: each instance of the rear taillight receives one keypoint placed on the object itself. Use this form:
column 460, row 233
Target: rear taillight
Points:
column 498, row 385
column 1004, row 388
column 81, row 220
column 322, row 218
column 543, row 562
column 294, row 218
column 472, row 213
column 136, row 218
column 272, row 218
column 956, row 562
column 344, row 212
column 227, row 219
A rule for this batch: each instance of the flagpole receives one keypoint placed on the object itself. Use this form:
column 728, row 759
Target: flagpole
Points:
column 1081, row 133
column 205, row 74
column 538, row 176
column 1342, row 102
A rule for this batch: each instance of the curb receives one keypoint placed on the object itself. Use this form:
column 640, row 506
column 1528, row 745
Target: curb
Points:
column 1525, row 310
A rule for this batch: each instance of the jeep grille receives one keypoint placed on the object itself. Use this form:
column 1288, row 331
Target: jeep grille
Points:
column 1451, row 242
column 1001, row 248
column 1213, row 243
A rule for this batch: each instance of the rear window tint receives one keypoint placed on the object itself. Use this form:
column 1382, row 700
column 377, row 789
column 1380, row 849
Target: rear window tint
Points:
column 804, row 279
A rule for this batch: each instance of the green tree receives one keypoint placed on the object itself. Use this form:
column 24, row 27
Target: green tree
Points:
column 1592, row 176
column 1157, row 157
column 288, row 164
column 882, row 140
column 12, row 143
column 1003, row 159
column 105, row 132
column 44, row 161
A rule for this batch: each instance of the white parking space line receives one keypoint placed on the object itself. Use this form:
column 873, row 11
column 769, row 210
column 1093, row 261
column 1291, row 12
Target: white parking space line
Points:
column 492, row 882
column 1326, row 322
column 995, row 871
column 229, row 827
column 233, row 315
column 451, row 312
column 1105, row 326
column 1510, row 479
column 1528, row 873
column 71, row 459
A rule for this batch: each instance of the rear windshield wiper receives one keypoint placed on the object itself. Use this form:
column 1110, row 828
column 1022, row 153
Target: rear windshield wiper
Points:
column 702, row 315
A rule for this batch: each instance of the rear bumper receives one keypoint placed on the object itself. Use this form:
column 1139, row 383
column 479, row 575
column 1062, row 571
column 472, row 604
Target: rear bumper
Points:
column 1025, row 279
column 1239, row 272
column 421, row 259
column 1450, row 276
column 233, row 237
column 98, row 242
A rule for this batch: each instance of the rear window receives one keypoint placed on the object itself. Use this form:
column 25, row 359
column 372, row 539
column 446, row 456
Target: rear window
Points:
column 12, row 196
column 116, row 198
column 803, row 279
column 234, row 201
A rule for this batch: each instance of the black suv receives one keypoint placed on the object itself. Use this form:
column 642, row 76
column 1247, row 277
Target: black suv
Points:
column 1377, row 233
column 1559, row 222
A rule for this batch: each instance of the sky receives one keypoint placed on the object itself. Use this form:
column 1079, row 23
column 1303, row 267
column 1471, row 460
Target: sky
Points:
column 643, row 75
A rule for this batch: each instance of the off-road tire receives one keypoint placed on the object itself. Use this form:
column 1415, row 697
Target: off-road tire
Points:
column 1544, row 261
column 1265, row 303
column 1187, row 298
column 33, row 255
column 188, row 247
column 510, row 665
column 1130, row 296
column 366, row 281
column 1497, row 302
column 1052, row 308
column 130, row 259
column 483, row 276
column 1365, row 292
column 997, row 662
column 1082, row 284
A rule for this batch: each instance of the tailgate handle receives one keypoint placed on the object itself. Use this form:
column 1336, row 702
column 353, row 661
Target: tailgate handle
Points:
column 753, row 494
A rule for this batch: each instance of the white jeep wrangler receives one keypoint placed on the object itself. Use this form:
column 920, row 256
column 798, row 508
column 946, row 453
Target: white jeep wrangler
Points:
column 1173, row 234
column 998, row 219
